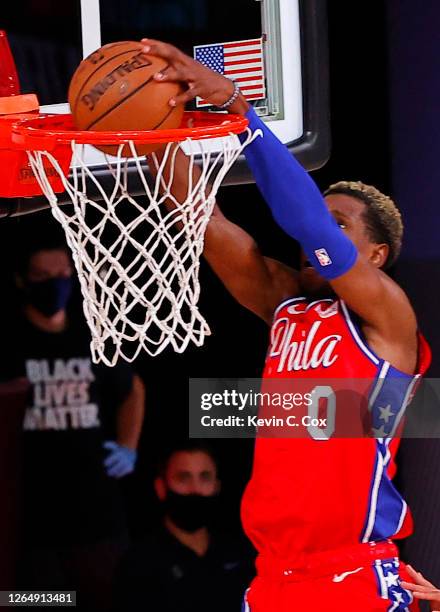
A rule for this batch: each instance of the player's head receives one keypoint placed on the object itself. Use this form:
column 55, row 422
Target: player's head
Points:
column 187, row 484
column 369, row 218
column 43, row 272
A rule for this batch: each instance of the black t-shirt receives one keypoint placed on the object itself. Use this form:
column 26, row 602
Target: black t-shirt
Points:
column 67, row 497
column 160, row 573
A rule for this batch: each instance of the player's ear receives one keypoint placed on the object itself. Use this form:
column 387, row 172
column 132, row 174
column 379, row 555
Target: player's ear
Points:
column 379, row 254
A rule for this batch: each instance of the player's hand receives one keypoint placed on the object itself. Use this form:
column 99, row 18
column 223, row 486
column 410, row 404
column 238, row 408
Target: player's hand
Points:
column 120, row 461
column 200, row 80
column 422, row 589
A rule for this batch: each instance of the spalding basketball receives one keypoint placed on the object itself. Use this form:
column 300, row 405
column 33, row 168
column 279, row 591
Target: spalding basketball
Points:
column 114, row 89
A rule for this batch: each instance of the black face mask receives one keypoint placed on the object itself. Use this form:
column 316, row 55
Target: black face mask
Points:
column 190, row 512
column 49, row 296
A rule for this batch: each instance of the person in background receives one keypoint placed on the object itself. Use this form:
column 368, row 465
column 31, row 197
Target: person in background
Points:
column 186, row 564
column 80, row 433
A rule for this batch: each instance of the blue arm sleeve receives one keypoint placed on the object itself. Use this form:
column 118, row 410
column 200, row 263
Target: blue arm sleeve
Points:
column 296, row 203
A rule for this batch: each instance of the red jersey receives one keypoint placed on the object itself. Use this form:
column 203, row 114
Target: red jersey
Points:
column 307, row 495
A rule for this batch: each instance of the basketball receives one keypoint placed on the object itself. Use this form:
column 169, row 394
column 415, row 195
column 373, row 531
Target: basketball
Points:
column 114, row 89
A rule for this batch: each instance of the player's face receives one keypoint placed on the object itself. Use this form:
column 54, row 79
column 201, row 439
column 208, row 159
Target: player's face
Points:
column 349, row 215
column 47, row 264
column 192, row 473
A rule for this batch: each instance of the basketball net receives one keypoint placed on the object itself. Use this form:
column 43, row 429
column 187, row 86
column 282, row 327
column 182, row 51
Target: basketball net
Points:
column 138, row 258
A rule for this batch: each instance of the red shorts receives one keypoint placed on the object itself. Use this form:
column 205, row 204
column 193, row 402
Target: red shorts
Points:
column 361, row 578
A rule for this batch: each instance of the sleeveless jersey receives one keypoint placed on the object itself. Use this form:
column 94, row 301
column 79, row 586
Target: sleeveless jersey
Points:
column 307, row 495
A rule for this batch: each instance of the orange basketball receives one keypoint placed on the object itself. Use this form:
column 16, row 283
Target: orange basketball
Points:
column 113, row 89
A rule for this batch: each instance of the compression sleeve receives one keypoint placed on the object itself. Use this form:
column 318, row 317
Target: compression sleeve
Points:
column 296, row 203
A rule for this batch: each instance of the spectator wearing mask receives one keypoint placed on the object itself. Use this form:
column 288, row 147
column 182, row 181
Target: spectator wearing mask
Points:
column 186, row 564
column 81, row 429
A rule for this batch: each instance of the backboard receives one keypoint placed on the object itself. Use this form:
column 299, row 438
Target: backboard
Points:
column 48, row 40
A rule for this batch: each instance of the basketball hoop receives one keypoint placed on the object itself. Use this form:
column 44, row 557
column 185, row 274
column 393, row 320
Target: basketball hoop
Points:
column 137, row 257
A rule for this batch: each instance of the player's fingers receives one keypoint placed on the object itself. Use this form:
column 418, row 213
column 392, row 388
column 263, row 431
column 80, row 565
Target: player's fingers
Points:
column 427, row 596
column 184, row 97
column 418, row 577
column 412, row 572
column 422, row 592
column 422, row 580
column 161, row 49
column 410, row 586
column 418, row 595
column 171, row 74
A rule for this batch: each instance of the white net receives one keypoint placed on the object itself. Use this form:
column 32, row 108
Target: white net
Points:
column 138, row 258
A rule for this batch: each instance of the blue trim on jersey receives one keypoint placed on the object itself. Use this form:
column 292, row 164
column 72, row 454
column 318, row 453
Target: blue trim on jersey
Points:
column 389, row 397
column 390, row 400
column 244, row 604
column 357, row 335
column 386, row 572
column 391, row 510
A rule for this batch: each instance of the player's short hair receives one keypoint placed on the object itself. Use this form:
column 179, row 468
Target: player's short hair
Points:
column 382, row 217
column 186, row 446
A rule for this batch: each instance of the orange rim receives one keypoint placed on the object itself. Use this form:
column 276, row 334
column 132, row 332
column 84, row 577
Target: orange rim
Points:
column 46, row 131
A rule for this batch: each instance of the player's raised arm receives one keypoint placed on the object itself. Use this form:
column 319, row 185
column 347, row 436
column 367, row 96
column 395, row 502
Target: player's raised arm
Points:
column 298, row 207
column 347, row 257
column 256, row 282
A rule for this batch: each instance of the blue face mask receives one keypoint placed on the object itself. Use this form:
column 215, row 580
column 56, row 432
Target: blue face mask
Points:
column 49, row 296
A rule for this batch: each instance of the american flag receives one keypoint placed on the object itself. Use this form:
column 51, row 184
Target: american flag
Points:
column 241, row 61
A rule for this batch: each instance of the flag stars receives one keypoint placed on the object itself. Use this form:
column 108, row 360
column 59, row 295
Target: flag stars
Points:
column 392, row 579
column 212, row 57
column 379, row 432
column 239, row 60
column 385, row 413
column 398, row 597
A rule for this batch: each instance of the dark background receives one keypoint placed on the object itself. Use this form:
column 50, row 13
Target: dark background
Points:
column 384, row 71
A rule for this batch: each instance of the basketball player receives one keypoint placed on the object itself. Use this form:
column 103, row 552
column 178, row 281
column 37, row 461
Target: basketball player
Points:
column 321, row 513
